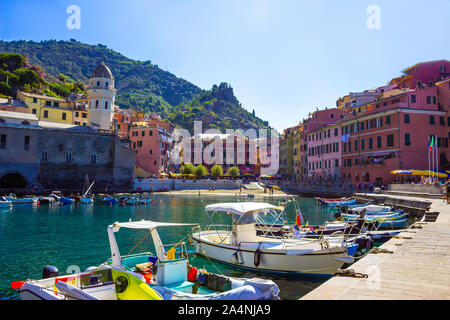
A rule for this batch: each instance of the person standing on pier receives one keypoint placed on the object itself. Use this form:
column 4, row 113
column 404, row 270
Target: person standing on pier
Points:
column 446, row 190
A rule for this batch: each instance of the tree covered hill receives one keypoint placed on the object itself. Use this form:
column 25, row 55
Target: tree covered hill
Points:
column 140, row 85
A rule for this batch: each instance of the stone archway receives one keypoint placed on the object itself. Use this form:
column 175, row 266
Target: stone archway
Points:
column 13, row 181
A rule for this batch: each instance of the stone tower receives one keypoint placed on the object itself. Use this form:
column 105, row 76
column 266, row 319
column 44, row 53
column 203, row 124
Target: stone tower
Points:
column 101, row 95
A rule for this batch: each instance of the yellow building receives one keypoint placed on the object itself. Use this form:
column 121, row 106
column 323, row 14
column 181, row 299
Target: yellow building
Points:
column 297, row 151
column 287, row 153
column 47, row 108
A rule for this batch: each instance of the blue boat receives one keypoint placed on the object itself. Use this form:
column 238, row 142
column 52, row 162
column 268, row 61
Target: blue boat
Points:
column 65, row 200
column 86, row 200
column 110, row 200
column 131, row 201
column 341, row 203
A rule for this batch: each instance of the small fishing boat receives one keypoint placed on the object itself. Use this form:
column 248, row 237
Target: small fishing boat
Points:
column 46, row 200
column 97, row 283
column 14, row 200
column 66, row 200
column 86, row 200
column 109, row 200
column 343, row 203
column 240, row 245
column 145, row 201
column 5, row 204
column 169, row 273
column 131, row 201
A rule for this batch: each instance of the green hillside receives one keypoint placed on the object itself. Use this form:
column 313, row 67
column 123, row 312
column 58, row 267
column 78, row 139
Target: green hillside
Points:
column 140, row 85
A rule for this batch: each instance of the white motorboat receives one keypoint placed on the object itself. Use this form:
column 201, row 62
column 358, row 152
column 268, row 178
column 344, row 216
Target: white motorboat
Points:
column 169, row 273
column 239, row 245
column 96, row 283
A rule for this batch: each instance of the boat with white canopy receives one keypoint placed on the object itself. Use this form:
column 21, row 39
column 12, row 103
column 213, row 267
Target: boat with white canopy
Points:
column 169, row 273
column 239, row 244
column 145, row 276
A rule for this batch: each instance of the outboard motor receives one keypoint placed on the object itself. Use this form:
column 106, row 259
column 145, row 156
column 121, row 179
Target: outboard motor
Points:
column 50, row 272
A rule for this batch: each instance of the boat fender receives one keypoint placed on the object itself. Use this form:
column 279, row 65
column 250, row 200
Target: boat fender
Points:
column 257, row 256
column 192, row 275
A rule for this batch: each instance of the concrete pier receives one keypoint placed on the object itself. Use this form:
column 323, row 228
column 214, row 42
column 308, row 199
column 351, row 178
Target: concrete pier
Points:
column 418, row 268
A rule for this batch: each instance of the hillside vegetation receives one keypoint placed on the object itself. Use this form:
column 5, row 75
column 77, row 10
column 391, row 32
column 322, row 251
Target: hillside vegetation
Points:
column 67, row 65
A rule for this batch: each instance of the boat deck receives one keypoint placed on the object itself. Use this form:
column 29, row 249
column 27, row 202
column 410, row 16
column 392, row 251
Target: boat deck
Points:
column 417, row 269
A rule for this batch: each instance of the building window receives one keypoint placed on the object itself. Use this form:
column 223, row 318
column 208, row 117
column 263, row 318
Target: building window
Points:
column 48, row 103
column 34, row 111
column 390, row 140
column 151, row 132
column 407, row 139
column 363, row 144
column 77, row 114
column 407, row 119
column 442, row 121
column 151, row 151
column 68, row 157
column 45, row 113
column 94, row 158
column 3, row 141
column 96, row 104
column 413, row 98
column 356, row 145
column 56, row 104
column 34, row 100
column 388, row 119
column 84, row 114
column 106, row 84
column 143, row 133
column 44, row 155
column 63, row 116
column 379, row 142
column 26, row 146
column 98, row 84
column 432, row 121
column 106, row 105
column 336, row 132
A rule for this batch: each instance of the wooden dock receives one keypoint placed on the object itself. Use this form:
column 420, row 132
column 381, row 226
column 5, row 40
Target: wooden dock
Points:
column 418, row 267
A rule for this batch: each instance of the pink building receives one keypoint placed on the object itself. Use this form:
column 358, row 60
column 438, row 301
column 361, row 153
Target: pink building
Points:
column 393, row 134
column 325, row 153
column 322, row 145
column 424, row 74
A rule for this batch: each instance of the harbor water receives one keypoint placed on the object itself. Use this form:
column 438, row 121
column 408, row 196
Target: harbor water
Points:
column 73, row 237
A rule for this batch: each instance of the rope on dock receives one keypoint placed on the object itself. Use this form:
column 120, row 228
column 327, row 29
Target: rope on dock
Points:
column 402, row 237
column 349, row 273
column 377, row 250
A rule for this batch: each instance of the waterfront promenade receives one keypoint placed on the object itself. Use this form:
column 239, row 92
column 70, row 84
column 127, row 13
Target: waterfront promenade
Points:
column 417, row 269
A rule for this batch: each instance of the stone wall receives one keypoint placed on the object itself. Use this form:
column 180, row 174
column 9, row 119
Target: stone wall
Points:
column 157, row 184
column 113, row 168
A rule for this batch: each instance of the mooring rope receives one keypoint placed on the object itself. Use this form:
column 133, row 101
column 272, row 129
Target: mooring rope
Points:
column 377, row 250
column 349, row 273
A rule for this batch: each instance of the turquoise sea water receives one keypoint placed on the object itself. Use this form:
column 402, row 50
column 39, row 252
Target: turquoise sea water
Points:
column 75, row 235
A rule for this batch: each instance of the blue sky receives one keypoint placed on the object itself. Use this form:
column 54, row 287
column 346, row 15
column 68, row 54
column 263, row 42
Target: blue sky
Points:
column 284, row 58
